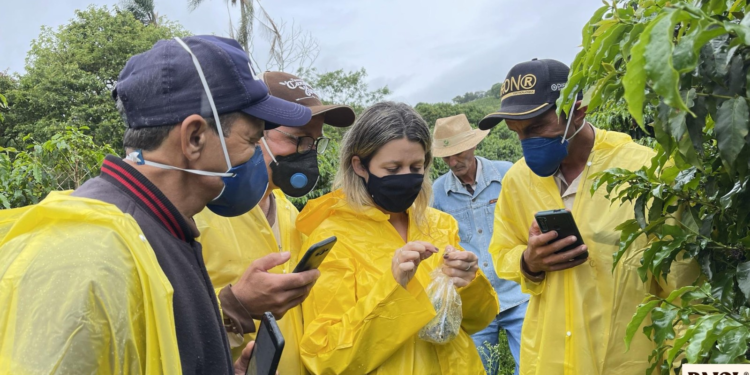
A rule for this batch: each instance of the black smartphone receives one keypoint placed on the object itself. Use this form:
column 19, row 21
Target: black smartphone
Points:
column 269, row 343
column 562, row 222
column 315, row 255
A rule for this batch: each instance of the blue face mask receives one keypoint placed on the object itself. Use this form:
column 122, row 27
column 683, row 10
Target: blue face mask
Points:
column 243, row 191
column 544, row 155
column 244, row 185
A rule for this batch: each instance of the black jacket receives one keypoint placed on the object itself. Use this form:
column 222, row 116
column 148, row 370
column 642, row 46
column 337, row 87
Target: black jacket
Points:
column 201, row 336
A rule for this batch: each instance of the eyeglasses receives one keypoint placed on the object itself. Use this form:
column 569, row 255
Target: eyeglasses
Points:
column 307, row 143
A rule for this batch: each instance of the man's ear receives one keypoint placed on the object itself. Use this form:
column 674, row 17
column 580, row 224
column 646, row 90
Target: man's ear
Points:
column 193, row 133
column 359, row 168
column 580, row 113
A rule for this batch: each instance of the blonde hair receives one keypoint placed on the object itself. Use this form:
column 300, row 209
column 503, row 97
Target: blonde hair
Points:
column 376, row 126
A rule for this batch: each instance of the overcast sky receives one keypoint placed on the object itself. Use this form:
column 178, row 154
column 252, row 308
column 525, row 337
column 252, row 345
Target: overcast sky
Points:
column 424, row 50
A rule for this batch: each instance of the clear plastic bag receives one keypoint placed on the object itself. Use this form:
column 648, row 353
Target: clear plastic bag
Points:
column 446, row 325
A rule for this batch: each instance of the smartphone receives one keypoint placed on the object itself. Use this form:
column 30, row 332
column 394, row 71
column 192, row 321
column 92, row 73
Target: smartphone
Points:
column 562, row 222
column 269, row 343
column 315, row 255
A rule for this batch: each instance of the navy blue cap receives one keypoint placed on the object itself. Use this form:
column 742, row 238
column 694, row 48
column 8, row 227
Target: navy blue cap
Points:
column 530, row 89
column 162, row 87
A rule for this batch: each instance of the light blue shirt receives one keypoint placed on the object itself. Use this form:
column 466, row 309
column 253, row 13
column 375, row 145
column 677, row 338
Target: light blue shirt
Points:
column 476, row 217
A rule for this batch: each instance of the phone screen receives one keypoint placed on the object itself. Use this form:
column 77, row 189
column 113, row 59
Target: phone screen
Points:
column 262, row 358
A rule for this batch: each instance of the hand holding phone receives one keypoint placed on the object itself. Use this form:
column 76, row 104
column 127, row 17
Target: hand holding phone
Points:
column 269, row 344
column 554, row 243
column 260, row 290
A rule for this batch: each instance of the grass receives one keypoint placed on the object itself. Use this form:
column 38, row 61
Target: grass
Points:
column 501, row 361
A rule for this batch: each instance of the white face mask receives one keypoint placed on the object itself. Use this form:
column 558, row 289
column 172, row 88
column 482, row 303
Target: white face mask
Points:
column 137, row 156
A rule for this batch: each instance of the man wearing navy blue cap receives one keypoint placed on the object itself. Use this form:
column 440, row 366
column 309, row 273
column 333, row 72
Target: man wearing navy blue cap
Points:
column 581, row 303
column 110, row 279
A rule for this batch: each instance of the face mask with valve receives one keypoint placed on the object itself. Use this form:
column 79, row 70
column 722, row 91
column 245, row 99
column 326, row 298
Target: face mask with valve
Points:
column 295, row 174
column 244, row 185
column 544, row 155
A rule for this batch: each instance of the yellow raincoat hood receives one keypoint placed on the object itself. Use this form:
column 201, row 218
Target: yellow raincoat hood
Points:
column 576, row 319
column 108, row 305
column 318, row 210
column 358, row 320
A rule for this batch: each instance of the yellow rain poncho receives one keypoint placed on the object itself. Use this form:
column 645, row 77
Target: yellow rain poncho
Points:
column 231, row 244
column 576, row 319
column 358, row 320
column 82, row 293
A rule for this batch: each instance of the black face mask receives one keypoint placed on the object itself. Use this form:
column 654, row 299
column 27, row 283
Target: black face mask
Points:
column 395, row 193
column 295, row 174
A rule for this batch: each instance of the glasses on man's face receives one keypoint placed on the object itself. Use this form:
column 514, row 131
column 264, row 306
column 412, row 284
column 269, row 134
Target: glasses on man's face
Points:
column 306, row 143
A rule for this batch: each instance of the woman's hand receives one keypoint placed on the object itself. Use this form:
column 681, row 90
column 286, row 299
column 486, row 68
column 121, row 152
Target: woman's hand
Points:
column 460, row 266
column 406, row 260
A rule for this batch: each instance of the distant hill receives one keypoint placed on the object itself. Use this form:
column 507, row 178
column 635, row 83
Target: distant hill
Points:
column 488, row 103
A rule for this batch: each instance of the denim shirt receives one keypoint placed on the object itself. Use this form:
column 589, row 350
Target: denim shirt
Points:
column 476, row 217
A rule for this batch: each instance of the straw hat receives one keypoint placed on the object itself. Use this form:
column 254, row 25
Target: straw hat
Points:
column 454, row 135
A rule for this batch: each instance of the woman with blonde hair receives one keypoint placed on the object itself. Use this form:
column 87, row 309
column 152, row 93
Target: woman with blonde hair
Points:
column 364, row 313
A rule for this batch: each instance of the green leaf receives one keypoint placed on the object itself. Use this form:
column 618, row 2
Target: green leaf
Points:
column 703, row 327
column 567, row 98
column 743, row 278
column 684, row 178
column 731, row 344
column 602, row 45
column 640, row 314
column 665, row 254
column 680, row 342
column 705, row 309
column 662, row 319
column 630, row 38
column 655, row 211
column 602, row 27
column 736, row 6
column 722, row 286
column 630, row 230
column 640, row 206
column 679, row 292
column 634, row 80
column 687, row 151
column 676, row 125
column 731, row 128
column 588, row 29
column 4, row 200
column 659, row 69
column 716, row 7
column 696, row 124
column 742, row 31
column 690, row 218
column 593, row 97
column 600, row 180
column 685, row 56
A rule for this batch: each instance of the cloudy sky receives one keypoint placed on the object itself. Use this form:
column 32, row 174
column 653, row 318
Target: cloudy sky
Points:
column 424, row 50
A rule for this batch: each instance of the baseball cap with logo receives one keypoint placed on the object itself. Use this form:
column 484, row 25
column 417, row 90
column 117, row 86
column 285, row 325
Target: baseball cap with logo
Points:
column 530, row 89
column 163, row 87
column 294, row 89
